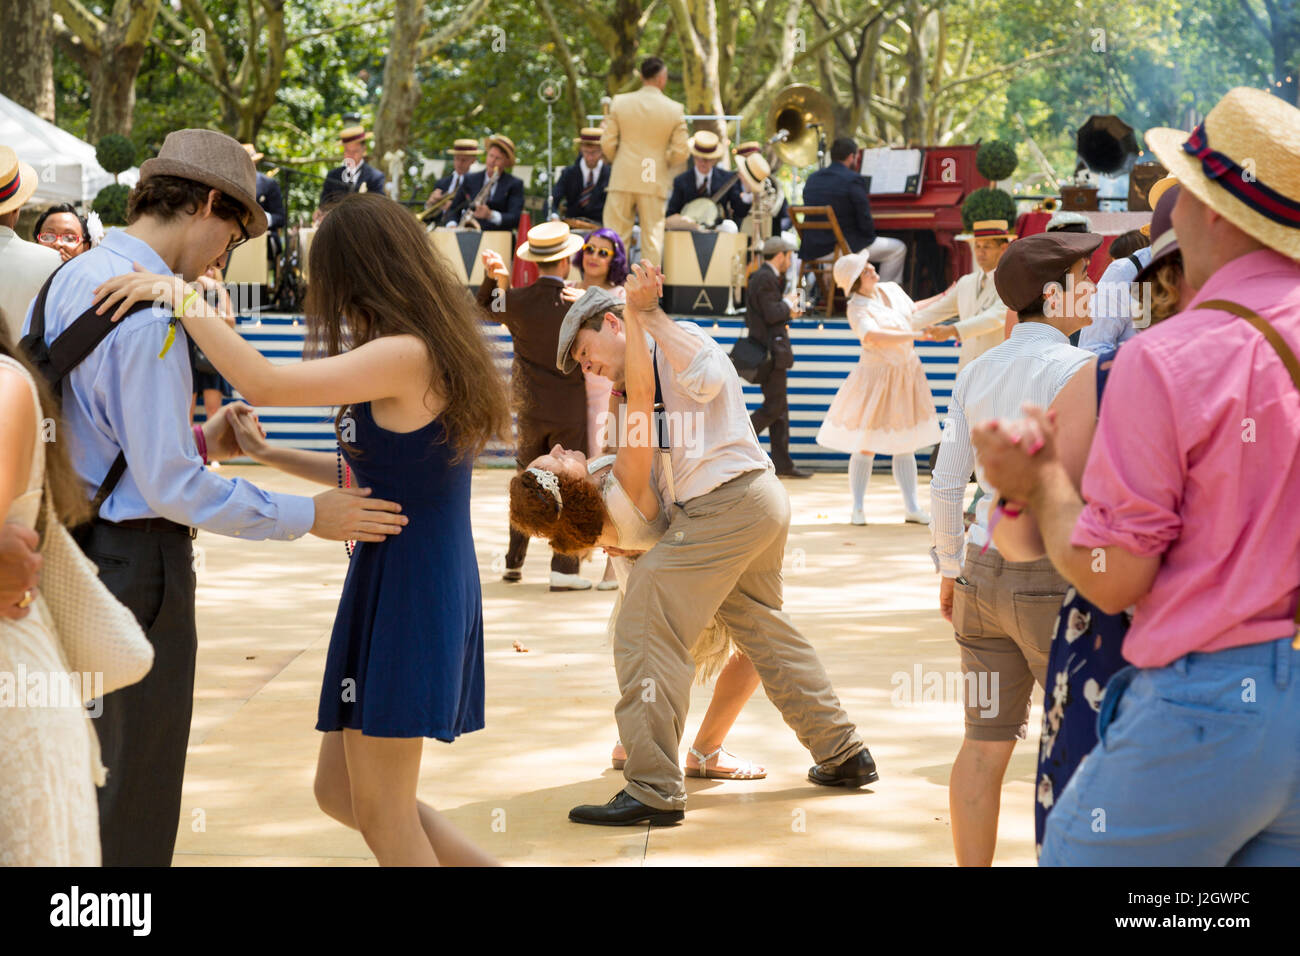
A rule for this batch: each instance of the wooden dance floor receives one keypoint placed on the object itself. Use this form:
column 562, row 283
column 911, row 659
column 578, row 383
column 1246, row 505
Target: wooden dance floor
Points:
column 866, row 598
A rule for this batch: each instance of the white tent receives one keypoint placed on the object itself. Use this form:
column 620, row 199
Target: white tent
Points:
column 65, row 166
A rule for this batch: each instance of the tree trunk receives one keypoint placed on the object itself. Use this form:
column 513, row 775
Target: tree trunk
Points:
column 112, row 88
column 27, row 66
column 401, row 91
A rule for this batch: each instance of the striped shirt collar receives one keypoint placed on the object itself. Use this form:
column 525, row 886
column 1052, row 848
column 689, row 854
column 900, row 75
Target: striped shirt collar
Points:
column 1032, row 331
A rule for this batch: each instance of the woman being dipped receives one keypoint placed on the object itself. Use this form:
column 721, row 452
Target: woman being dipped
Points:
column 612, row 502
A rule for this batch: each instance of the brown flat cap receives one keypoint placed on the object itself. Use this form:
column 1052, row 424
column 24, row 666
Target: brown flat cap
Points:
column 1030, row 263
column 215, row 160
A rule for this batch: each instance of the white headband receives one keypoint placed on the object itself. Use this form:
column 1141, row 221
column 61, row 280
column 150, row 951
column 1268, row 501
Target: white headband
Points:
column 548, row 481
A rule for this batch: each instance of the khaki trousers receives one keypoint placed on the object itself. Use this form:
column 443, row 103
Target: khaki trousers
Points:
column 722, row 554
column 649, row 208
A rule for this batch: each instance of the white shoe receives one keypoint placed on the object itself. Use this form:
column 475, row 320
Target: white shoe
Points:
column 916, row 517
column 569, row 582
column 859, row 517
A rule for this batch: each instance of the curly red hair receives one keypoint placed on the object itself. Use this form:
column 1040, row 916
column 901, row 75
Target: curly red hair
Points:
column 570, row 529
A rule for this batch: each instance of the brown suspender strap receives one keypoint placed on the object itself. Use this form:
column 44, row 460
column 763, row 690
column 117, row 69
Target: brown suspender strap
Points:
column 1283, row 352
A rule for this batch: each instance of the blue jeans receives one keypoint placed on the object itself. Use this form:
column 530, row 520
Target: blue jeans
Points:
column 1197, row 764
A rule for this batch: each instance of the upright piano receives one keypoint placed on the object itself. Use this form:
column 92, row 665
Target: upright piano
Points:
column 929, row 219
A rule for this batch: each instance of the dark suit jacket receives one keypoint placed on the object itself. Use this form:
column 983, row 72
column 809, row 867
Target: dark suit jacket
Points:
column 269, row 198
column 335, row 187
column 845, row 192
column 534, row 314
column 765, row 311
column 568, row 189
column 457, row 205
column 733, row 207
column 507, row 199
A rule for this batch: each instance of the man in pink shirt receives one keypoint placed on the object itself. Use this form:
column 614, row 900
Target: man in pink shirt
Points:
column 1189, row 494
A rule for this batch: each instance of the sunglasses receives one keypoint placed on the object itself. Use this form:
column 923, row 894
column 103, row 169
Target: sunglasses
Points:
column 236, row 243
column 591, row 250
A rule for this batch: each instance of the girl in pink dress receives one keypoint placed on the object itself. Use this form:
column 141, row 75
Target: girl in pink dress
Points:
column 884, row 406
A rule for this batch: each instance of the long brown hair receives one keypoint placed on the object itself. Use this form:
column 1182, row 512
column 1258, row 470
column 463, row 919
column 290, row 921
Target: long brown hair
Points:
column 70, row 502
column 372, row 265
column 1166, row 288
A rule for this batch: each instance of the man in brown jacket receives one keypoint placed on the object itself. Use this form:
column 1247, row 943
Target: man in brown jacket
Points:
column 550, row 405
column 644, row 137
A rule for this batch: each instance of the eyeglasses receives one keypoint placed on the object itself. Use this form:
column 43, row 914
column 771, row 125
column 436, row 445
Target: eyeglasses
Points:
column 591, row 250
column 236, row 243
column 69, row 239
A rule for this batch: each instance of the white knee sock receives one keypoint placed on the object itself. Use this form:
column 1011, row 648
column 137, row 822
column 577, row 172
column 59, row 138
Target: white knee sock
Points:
column 904, row 467
column 859, row 472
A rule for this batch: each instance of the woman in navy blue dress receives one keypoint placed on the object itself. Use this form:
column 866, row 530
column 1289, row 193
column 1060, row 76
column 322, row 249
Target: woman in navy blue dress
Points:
column 419, row 396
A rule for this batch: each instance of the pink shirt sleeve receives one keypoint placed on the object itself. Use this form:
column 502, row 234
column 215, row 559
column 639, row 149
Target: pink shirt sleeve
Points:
column 1133, row 481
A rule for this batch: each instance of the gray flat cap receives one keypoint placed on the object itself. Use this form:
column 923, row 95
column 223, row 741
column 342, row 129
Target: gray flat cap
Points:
column 593, row 302
column 777, row 245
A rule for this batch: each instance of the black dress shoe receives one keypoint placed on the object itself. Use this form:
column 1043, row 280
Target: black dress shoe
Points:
column 793, row 472
column 625, row 810
column 857, row 771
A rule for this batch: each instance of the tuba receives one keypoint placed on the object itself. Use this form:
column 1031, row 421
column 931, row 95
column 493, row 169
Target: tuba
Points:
column 792, row 123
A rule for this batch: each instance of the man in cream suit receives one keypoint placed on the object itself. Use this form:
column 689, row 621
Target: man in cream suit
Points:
column 972, row 299
column 24, row 266
column 644, row 137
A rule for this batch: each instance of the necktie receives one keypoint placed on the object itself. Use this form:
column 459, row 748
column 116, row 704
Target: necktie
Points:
column 704, row 187
column 588, row 188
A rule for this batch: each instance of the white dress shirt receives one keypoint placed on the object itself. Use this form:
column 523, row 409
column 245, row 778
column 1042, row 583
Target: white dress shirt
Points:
column 24, row 267
column 1111, row 305
column 710, row 437
column 1033, row 365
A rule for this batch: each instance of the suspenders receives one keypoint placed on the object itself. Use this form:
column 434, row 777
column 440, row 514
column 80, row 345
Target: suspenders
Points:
column 662, row 441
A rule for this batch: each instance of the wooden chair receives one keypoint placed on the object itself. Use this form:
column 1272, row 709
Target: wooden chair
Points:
column 812, row 218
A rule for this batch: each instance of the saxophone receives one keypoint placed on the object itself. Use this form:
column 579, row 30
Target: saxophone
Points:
column 467, row 220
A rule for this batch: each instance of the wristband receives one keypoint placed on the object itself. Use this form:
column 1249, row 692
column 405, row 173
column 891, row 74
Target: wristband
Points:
column 185, row 303
column 201, row 443
column 614, row 391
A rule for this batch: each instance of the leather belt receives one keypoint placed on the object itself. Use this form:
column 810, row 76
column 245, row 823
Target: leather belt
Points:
column 151, row 525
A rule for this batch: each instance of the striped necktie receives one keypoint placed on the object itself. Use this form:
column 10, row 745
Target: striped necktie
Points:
column 703, row 189
column 589, row 188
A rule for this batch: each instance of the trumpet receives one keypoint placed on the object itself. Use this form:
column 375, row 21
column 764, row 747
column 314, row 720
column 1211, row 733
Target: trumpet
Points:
column 467, row 220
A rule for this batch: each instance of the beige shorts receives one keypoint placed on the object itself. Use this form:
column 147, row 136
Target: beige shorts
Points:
column 1004, row 614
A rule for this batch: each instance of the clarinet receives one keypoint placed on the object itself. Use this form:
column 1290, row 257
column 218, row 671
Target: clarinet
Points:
column 467, row 220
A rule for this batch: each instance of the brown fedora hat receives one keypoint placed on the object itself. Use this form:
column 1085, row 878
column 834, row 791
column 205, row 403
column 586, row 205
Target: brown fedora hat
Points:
column 215, row 160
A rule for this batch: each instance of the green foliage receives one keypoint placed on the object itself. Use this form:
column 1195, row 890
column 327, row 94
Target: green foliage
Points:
column 110, row 203
column 988, row 203
column 115, row 153
column 996, row 160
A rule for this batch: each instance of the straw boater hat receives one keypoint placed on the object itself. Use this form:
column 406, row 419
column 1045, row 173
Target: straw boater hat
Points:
column 753, row 169
column 548, row 242
column 847, row 269
column 17, row 181
column 706, row 145
column 213, row 159
column 1158, row 189
column 351, row 134
column 252, row 152
column 588, row 136
column 465, row 147
column 987, row 229
column 747, row 147
column 505, row 144
column 1244, row 163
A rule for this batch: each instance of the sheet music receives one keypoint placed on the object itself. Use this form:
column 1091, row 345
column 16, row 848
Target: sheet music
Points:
column 893, row 171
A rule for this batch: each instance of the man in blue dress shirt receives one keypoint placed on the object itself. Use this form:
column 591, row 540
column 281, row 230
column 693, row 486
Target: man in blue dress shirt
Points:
column 131, row 395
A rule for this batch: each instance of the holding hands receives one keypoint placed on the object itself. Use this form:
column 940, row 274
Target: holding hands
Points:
column 644, row 287
column 1013, row 454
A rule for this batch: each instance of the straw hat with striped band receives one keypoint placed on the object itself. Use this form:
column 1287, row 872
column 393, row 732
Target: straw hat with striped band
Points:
column 17, row 181
column 987, row 229
column 747, row 147
column 465, row 147
column 706, row 145
column 351, row 134
column 505, row 144
column 1244, row 163
column 548, row 242
column 753, row 169
column 588, row 136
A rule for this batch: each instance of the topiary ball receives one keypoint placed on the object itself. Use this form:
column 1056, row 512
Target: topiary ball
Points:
column 996, row 160
column 115, row 153
column 110, row 203
column 988, row 203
